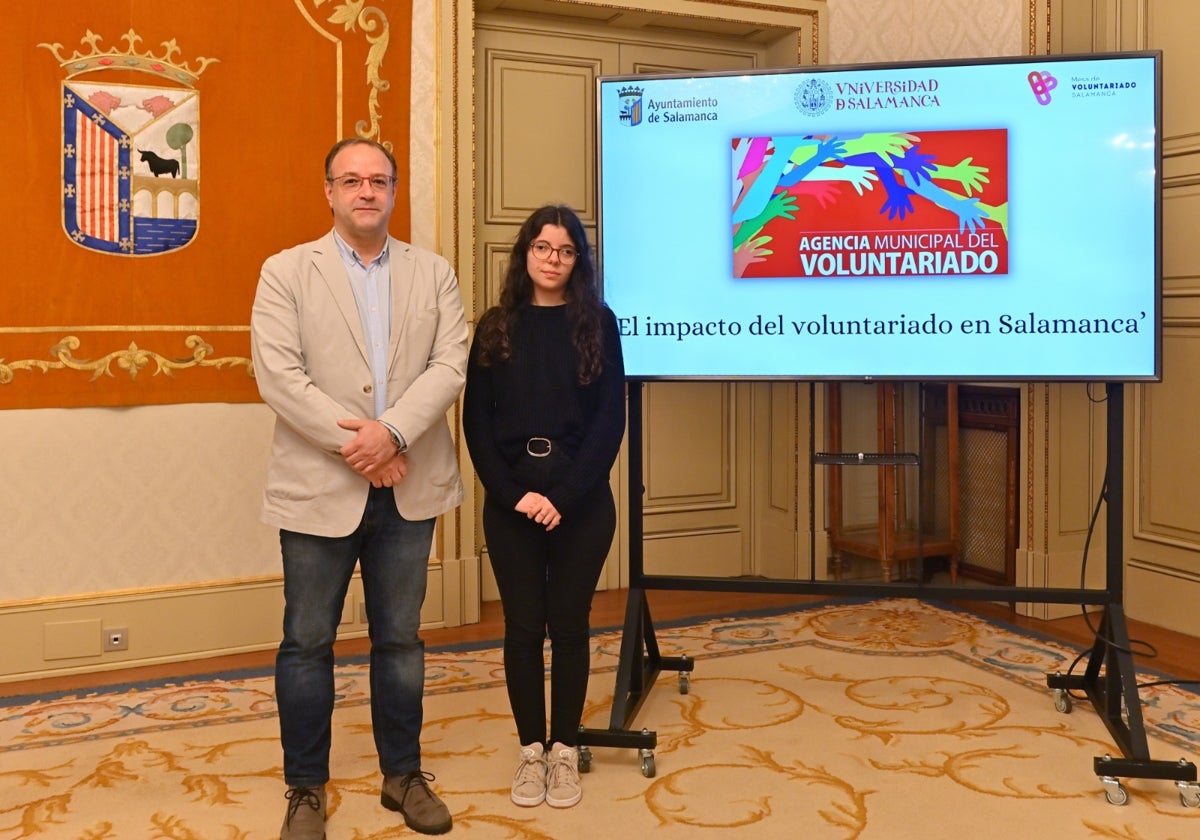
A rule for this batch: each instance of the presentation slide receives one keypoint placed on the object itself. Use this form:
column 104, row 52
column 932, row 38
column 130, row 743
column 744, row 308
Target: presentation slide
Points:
column 987, row 220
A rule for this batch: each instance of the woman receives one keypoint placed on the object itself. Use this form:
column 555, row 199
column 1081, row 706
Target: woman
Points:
column 544, row 415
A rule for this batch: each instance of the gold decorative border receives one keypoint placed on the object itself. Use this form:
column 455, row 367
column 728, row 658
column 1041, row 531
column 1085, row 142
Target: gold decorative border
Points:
column 814, row 14
column 1033, row 25
column 133, row 360
column 1031, row 457
column 353, row 15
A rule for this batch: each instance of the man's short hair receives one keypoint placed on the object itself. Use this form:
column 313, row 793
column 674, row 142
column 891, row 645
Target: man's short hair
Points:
column 356, row 141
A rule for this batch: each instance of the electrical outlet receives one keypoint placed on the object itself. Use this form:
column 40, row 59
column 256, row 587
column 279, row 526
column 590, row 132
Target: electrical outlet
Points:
column 116, row 638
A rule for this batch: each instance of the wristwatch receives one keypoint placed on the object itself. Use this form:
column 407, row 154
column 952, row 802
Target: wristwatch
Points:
column 397, row 438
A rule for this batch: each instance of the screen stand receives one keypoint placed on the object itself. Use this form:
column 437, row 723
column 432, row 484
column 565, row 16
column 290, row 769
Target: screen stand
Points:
column 640, row 661
column 1114, row 694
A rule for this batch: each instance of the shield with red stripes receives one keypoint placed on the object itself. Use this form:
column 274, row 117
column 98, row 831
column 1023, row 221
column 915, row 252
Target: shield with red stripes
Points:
column 131, row 167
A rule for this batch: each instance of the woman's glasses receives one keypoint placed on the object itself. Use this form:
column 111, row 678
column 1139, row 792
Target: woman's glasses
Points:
column 542, row 250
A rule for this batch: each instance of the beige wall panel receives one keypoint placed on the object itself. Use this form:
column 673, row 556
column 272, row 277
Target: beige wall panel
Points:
column 1061, row 467
column 687, row 424
column 1078, row 32
column 781, row 533
column 860, row 433
column 1181, row 161
column 538, row 106
column 698, row 496
column 1162, row 596
column 790, row 50
column 1168, row 459
column 533, row 97
column 495, row 258
column 645, row 58
column 1172, row 27
column 173, row 624
column 677, row 554
column 1125, row 23
column 1181, row 257
column 781, row 449
column 1072, row 470
column 1098, row 25
column 115, row 499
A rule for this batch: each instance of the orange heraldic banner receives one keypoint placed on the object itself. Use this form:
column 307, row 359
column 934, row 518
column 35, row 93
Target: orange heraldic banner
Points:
column 163, row 152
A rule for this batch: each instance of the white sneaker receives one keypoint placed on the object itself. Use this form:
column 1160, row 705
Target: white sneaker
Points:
column 529, row 782
column 562, row 779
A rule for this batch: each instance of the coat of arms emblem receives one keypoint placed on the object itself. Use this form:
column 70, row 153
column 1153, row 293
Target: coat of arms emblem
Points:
column 131, row 158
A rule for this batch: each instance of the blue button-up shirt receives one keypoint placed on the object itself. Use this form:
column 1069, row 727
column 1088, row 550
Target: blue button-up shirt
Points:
column 372, row 284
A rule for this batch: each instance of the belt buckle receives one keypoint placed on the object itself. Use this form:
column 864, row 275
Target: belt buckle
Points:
column 538, row 440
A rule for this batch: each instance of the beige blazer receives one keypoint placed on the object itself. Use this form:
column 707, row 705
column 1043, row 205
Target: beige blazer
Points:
column 311, row 364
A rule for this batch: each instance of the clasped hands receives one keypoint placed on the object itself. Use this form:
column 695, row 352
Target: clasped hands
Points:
column 372, row 454
column 537, row 507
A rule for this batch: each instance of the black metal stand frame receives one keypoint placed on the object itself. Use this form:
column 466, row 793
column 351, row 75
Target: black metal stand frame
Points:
column 1114, row 694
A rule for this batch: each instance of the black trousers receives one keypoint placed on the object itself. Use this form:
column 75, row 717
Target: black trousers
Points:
column 546, row 580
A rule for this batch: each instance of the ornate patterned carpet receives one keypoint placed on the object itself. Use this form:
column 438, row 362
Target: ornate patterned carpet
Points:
column 890, row 719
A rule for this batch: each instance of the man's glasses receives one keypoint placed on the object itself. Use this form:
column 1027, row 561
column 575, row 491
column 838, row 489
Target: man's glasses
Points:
column 542, row 250
column 353, row 183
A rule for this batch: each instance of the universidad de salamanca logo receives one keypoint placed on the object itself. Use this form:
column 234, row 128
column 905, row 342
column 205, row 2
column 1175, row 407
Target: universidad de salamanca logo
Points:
column 813, row 97
column 130, row 153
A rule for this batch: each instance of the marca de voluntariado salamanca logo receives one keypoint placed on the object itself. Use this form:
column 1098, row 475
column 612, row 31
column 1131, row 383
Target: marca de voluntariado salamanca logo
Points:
column 130, row 153
column 634, row 110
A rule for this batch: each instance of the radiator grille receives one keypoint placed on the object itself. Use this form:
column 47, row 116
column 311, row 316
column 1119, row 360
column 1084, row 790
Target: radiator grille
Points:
column 986, row 468
column 983, row 500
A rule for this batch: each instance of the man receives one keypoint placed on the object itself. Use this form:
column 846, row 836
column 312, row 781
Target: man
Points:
column 359, row 344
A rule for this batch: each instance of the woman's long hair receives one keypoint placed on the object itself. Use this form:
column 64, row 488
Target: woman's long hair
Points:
column 583, row 303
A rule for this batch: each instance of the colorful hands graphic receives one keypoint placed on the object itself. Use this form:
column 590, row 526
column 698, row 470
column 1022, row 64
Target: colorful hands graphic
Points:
column 773, row 174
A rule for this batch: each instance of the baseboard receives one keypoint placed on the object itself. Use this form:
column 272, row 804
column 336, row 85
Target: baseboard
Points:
column 70, row 636
column 1162, row 595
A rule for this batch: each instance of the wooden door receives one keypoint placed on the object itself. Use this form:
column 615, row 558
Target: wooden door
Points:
column 535, row 143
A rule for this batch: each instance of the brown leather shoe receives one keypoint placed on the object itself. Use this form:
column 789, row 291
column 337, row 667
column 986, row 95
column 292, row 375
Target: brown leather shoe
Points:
column 305, row 818
column 417, row 803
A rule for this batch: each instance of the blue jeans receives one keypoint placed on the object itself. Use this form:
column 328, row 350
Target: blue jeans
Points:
column 393, row 554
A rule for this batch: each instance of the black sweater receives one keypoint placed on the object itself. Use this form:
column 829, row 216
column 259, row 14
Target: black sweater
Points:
column 536, row 393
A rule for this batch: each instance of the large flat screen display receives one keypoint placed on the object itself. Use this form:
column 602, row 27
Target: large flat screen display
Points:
column 992, row 219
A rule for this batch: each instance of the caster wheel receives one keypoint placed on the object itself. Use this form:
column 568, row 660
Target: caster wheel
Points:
column 1189, row 794
column 1062, row 701
column 683, row 682
column 585, row 760
column 648, row 769
column 1114, row 791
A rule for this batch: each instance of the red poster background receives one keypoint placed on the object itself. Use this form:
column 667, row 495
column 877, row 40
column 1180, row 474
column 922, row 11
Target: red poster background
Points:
column 846, row 212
